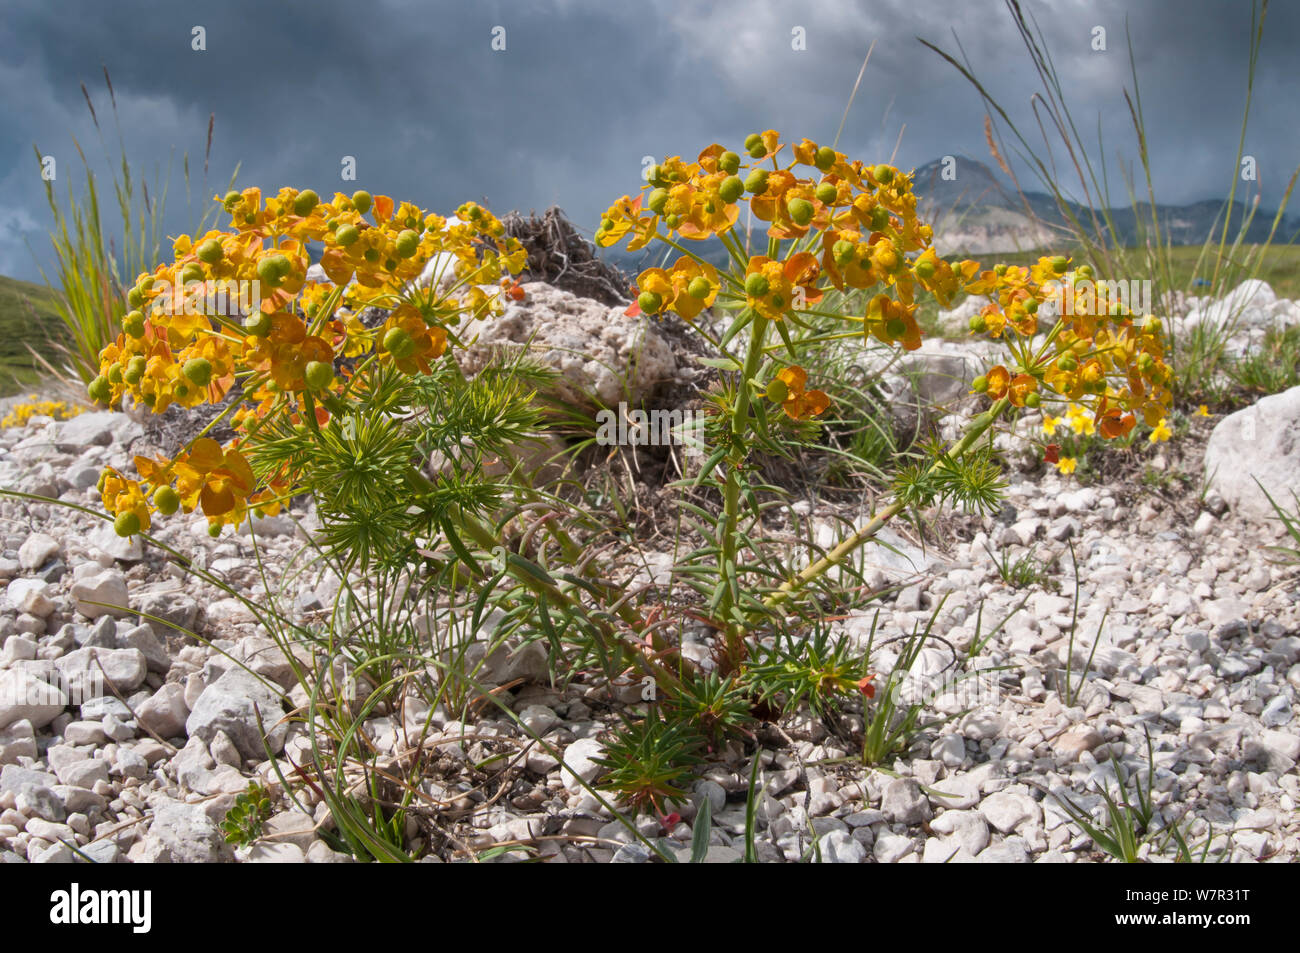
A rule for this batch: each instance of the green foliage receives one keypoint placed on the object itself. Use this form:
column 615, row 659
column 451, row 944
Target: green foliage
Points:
column 718, row 705
column 1290, row 521
column 1274, row 367
column 815, row 669
column 1020, row 572
column 243, row 822
column 651, row 761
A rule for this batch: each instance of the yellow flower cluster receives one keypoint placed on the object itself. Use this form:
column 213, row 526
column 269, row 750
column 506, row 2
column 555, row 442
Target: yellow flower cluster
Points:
column 1105, row 354
column 849, row 226
column 20, row 414
column 238, row 304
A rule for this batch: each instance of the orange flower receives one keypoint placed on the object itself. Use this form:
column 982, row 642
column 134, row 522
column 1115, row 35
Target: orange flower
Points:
column 217, row 480
column 787, row 388
column 999, row 380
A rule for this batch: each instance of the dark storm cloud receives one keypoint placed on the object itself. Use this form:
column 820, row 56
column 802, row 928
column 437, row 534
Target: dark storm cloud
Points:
column 586, row 88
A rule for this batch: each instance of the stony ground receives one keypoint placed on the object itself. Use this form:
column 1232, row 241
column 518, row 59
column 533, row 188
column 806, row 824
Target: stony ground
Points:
column 1197, row 648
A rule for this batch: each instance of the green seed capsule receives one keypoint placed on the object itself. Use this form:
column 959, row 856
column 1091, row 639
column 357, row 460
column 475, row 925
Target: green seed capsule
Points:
column 214, row 530
column 135, row 369
column 879, row 218
column 362, row 200
column 844, row 252
column 1033, row 400
column 1059, row 263
column 978, row 323
column 371, row 255
column 650, row 302
column 198, row 370
column 258, row 324
column 980, row 384
column 232, row 198
column 758, row 151
column 126, row 524
column 756, row 285
column 756, row 181
column 135, row 298
column 777, row 390
column 192, row 272
column 272, row 269
column 883, row 174
column 100, row 391
column 825, row 158
column 753, row 139
column 729, row 162
column 656, row 202
column 827, row 193
column 925, row 269
column 167, row 500
column 731, row 189
column 210, row 251
column 407, row 244
column 305, row 202
column 801, row 211
column 699, row 287
column 398, row 343
column 133, row 324
column 318, row 375
column 115, row 374
column 347, row 235
column 895, row 327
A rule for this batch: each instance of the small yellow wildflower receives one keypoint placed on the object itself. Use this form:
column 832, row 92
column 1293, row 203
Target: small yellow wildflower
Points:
column 1066, row 465
column 1202, row 411
column 1049, row 424
column 1081, row 422
column 1161, row 431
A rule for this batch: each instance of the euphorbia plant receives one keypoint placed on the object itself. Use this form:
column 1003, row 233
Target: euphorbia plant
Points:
column 833, row 224
column 296, row 348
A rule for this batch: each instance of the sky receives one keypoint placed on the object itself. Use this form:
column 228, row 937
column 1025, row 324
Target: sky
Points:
column 433, row 111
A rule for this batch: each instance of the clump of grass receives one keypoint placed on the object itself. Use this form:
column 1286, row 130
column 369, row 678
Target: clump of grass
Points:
column 1273, row 368
column 1020, row 572
column 1290, row 521
column 91, row 267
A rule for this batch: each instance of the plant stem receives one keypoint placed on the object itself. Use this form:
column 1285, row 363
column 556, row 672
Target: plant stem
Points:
column 731, row 489
column 879, row 519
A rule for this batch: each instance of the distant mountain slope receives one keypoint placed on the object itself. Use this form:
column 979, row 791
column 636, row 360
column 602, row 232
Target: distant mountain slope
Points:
column 27, row 315
column 979, row 211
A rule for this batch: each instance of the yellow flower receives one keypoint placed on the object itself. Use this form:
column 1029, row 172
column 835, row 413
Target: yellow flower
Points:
column 1066, row 465
column 1161, row 431
column 1081, row 422
column 1049, row 424
column 1202, row 411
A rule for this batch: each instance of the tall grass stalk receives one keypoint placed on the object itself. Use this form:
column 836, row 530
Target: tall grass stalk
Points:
column 93, row 270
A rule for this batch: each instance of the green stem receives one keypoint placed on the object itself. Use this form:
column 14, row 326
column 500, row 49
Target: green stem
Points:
column 731, row 490
column 879, row 519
